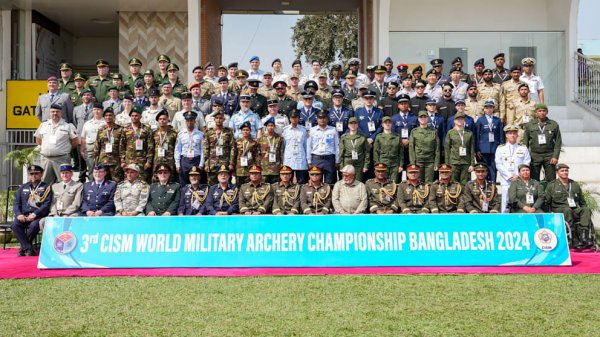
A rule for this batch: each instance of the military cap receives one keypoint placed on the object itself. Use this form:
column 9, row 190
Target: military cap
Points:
column 472, row 85
column 190, row 115
column 489, row 102
column 528, row 61
column 392, row 84
column 186, row 95
column 417, row 68
column 270, row 120
column 275, row 60
column 457, row 59
column 254, row 58
column 195, row 170
column 223, row 79
column 100, row 166
column 197, row 68
column 388, row 60
column 336, row 84
column 403, row 98
column 254, row 82
column 294, row 113
column 128, row 97
column 138, row 84
column 64, row 66
column 136, row 108
column 306, row 94
column 336, row 65
column 267, row 73
column 223, row 169
column 35, row 169
column 245, row 98
column 413, row 168
column 480, row 167
column 479, row 62
column 436, row 62
column 149, row 72
column 352, row 120
column 522, row 166
column 453, row 69
column 208, row 64
column 363, row 86
column 296, row 61
column 52, row 78
column 292, row 75
column 448, row 84
column 279, row 84
column 84, row 91
column 337, row 93
column 423, row 113
column 322, row 114
column 153, row 92
column 351, row 73
column 285, row 170
column 80, row 77
column 561, row 166
column 370, row 93
column 133, row 167
column 56, row 106
column 516, row 68
column 323, row 74
column 511, row 127
column 172, row 66
column 311, row 84
column 430, row 100
column 162, row 112
column 117, row 76
column 420, row 83
column 221, row 67
column 379, row 69
column 380, row 167
column 354, row 61
column 386, row 119
column 163, row 57
column 65, row 167
column 112, row 87
column 523, row 84
column 255, row 169
column 314, row 170
column 163, row 167
column 135, row 62
column 102, row 63
column 445, row 168
column 241, row 73
column 370, row 68
column 232, row 65
column 498, row 55
column 217, row 101
column 246, row 124
column 402, row 67
column 459, row 115
column 194, row 85
column 431, row 71
column 541, row 106
column 108, row 110
column 459, row 101
column 97, row 105
column 488, row 70
column 272, row 102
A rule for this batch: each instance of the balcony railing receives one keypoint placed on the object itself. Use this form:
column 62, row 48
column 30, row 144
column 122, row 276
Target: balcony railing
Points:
column 587, row 83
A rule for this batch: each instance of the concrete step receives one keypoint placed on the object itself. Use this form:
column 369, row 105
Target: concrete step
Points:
column 563, row 112
column 571, row 125
column 581, row 138
column 580, row 155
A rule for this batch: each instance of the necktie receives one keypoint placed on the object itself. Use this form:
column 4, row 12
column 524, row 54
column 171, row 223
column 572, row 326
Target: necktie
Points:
column 51, row 97
column 64, row 187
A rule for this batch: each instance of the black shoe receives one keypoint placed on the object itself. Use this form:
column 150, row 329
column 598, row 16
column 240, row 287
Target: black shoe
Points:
column 21, row 253
column 30, row 252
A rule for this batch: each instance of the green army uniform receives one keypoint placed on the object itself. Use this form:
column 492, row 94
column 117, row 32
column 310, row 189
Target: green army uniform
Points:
column 270, row 157
column 424, row 151
column 541, row 154
column 382, row 196
column 66, row 87
column 130, row 81
column 164, row 149
column 481, row 199
column 258, row 104
column 518, row 196
column 315, row 199
column 357, row 142
column 388, row 149
column 131, row 197
column 460, row 153
column 286, row 199
column 163, row 198
column 123, row 91
column 557, row 198
column 133, row 152
column 285, row 105
column 413, row 198
column 112, row 158
column 75, row 97
column 446, row 198
column 244, row 149
column 172, row 105
column 256, row 198
column 100, row 87
column 179, row 89
column 159, row 79
column 218, row 151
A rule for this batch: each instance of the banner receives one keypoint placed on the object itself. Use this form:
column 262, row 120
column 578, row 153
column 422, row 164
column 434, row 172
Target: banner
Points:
column 21, row 100
column 305, row 241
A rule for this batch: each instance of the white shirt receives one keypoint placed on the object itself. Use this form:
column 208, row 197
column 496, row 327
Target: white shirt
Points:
column 56, row 139
column 508, row 159
column 90, row 129
column 535, row 84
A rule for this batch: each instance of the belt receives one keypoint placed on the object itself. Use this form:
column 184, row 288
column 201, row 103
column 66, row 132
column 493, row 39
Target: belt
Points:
column 327, row 156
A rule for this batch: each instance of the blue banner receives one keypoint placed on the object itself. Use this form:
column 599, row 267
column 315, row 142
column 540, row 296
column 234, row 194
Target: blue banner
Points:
column 305, row 241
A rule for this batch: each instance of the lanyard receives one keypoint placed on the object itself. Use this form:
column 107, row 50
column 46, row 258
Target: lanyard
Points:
column 137, row 131
column 245, row 145
column 404, row 119
column 271, row 145
column 109, row 136
column 462, row 137
column 162, row 139
column 542, row 129
column 353, row 142
column 338, row 114
column 370, row 114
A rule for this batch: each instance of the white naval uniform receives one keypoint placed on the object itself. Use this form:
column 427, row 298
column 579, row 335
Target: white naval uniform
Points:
column 508, row 159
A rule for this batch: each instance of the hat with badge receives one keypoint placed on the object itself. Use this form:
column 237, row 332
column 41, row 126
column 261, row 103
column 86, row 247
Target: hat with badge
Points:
column 172, row 66
column 186, row 95
column 472, row 85
column 241, row 73
column 311, row 84
column 459, row 115
column 254, row 58
column 135, row 62
column 133, row 167
column 79, row 77
column 380, row 167
column 430, row 100
column 417, row 68
column 488, row 70
column 403, row 98
column 479, row 62
column 217, row 101
column 254, row 82
column 455, row 69
column 99, row 167
column 194, row 171
column 275, row 61
column 386, row 119
column 498, row 55
column 351, row 74
column 296, row 61
column 255, row 169
column 423, row 113
column 561, row 166
column 112, row 87
column 480, row 167
column 445, row 168
column 194, row 85
column 369, row 93
column 136, row 108
column 323, row 74
column 223, row 169
column 163, row 167
column 528, row 61
column 294, row 113
column 35, row 169
column 117, row 76
column 457, row 60
column 56, row 106
column 363, row 86
column 420, row 83
column 246, row 124
column 379, row 69
column 138, row 84
column 314, row 170
column 432, row 72
column 153, row 92
column 306, row 94
column 190, row 115
column 402, row 67
column 85, row 91
column 352, row 120
column 65, row 66
column 541, row 106
column 163, row 57
column 436, row 62
column 108, row 110
column 285, row 170
column 322, row 114
column 149, row 72
column 221, row 67
column 459, row 101
column 279, row 84
column 336, row 84
column 371, row 68
column 223, row 79
column 232, row 65
column 208, row 64
column 489, row 102
column 337, row 93
column 65, row 168
column 392, row 84
column 97, row 105
column 270, row 120
column 516, row 68
column 102, row 63
column 162, row 112
column 413, row 168
column 245, row 98
column 511, row 127
column 128, row 97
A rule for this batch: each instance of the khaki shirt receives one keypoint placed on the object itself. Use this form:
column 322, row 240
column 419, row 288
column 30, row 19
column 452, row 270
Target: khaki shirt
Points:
column 131, row 196
column 349, row 199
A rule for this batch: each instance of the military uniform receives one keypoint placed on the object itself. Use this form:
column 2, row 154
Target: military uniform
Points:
column 509, row 94
column 164, row 148
column 521, row 113
column 490, row 91
column 137, row 147
column 285, row 104
column 193, row 199
column 544, row 141
column 99, row 197
column 171, row 104
column 100, row 87
column 149, row 117
column 67, row 87
column 413, row 198
column 258, row 104
column 270, row 156
column 382, row 196
column 460, row 153
column 222, row 200
column 163, row 198
column 75, row 96
column 286, row 199
column 508, row 159
column 256, row 198
column 388, row 149
column 246, row 154
column 530, row 194
column 481, row 199
column 218, row 150
column 315, row 199
column 473, row 108
column 66, row 198
column 446, row 198
column 107, row 151
column 268, row 92
column 131, row 196
column 130, row 81
column 324, row 95
column 355, row 151
column 424, row 151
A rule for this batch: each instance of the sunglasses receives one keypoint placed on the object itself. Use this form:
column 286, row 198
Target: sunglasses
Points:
column 162, row 172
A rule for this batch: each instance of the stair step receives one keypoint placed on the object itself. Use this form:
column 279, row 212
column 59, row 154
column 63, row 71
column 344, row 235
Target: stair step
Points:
column 580, row 155
column 570, row 125
column 580, row 138
column 563, row 112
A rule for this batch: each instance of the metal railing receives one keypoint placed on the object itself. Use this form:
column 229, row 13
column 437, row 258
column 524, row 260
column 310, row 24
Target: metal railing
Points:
column 587, row 83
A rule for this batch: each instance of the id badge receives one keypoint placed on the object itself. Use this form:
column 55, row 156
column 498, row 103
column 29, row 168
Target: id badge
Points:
column 244, row 161
column 339, row 126
column 51, row 139
column 108, row 148
column 139, row 145
column 219, row 150
column 195, row 204
column 511, row 166
column 308, row 124
column 526, row 118
column 59, row 205
column 462, row 151
column 485, row 206
column 541, row 139
column 371, row 126
column 220, row 142
column 354, row 155
column 571, row 202
column 190, row 152
column 272, row 157
column 491, row 137
column 249, row 155
column 404, row 133
column 295, row 149
column 161, row 152
column 529, row 198
column 322, row 146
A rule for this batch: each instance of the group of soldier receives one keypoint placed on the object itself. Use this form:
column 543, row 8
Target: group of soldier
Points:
column 284, row 137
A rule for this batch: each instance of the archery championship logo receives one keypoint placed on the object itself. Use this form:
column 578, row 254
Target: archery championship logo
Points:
column 65, row 242
column 545, row 239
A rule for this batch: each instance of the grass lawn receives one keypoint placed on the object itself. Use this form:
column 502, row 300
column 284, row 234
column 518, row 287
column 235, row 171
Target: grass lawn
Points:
column 450, row 305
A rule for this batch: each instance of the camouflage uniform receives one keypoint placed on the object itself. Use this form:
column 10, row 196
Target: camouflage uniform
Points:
column 413, row 198
column 269, row 92
column 324, row 95
column 131, row 197
column 509, row 94
column 165, row 141
column 446, row 198
column 314, row 199
column 248, row 149
column 178, row 89
column 270, row 165
column 294, row 94
column 473, row 108
column 286, row 199
column 517, row 115
column 382, row 196
column 111, row 160
column 129, row 153
column 212, row 161
column 207, row 88
column 476, row 197
column 256, row 198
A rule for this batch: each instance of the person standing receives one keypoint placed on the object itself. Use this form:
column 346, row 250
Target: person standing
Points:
column 509, row 157
column 165, row 140
column 295, row 152
column 54, row 98
column 536, row 86
column 245, row 152
column 188, row 148
column 218, row 147
column 487, row 138
column 460, row 150
column 101, row 81
column 89, row 137
column 107, row 147
column 245, row 115
column 354, row 150
column 270, row 152
column 323, row 148
column 544, row 141
column 349, row 196
column 388, row 150
column 136, row 145
column 339, row 114
column 424, row 148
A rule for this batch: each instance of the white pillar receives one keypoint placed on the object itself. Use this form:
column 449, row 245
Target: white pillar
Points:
column 194, row 51
column 26, row 47
column 383, row 31
column 571, row 37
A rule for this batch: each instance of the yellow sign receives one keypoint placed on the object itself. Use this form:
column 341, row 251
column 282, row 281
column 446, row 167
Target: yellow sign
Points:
column 21, row 99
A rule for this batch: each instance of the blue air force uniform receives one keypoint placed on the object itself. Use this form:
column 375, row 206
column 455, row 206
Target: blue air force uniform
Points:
column 99, row 197
column 30, row 199
column 486, row 144
column 308, row 116
column 340, row 116
column 364, row 117
column 222, row 200
column 193, row 200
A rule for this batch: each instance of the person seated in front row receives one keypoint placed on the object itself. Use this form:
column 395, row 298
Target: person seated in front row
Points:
column 315, row 196
column 349, row 195
column 526, row 195
column 222, row 197
column 164, row 196
column 132, row 193
column 413, row 195
column 445, row 194
column 381, row 191
column 98, row 194
column 286, row 194
column 256, row 197
column 66, row 195
column 481, row 195
column 193, row 195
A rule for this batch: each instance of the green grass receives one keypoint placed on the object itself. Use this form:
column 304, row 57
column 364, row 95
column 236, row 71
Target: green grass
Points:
column 450, row 305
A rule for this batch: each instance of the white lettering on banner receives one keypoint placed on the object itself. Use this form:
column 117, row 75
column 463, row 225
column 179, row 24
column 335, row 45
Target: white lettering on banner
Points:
column 275, row 242
column 513, row 241
column 442, row 241
column 213, row 242
column 116, row 243
column 361, row 241
column 158, row 243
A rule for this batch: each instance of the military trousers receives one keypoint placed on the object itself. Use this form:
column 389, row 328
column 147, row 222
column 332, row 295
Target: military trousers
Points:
column 490, row 160
column 327, row 164
column 582, row 231
column 426, row 172
column 539, row 161
column 460, row 173
column 25, row 232
column 113, row 172
column 270, row 178
column 51, row 166
column 89, row 163
column 185, row 166
column 392, row 173
column 301, row 176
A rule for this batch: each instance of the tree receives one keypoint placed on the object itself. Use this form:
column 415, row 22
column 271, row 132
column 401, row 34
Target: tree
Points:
column 327, row 38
